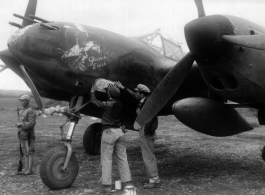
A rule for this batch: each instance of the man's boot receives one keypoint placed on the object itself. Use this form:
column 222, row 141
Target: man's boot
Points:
column 153, row 183
column 26, row 161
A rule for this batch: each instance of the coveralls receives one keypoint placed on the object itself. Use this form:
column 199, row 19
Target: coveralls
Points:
column 147, row 138
column 27, row 117
column 113, row 140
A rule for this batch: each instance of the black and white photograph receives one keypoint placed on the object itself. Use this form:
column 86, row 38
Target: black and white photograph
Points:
column 122, row 97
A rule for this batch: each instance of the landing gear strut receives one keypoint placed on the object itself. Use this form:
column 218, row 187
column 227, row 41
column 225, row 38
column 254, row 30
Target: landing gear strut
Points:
column 59, row 166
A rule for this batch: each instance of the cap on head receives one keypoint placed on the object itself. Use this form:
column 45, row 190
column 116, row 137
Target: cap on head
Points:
column 24, row 97
column 114, row 92
column 142, row 88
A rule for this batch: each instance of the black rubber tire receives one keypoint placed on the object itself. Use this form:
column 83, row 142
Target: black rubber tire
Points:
column 92, row 139
column 50, row 169
column 261, row 116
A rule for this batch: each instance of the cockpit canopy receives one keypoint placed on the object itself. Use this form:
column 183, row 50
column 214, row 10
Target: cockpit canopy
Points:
column 160, row 44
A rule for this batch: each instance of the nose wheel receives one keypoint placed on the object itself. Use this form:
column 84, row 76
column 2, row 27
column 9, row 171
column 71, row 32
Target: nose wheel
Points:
column 51, row 169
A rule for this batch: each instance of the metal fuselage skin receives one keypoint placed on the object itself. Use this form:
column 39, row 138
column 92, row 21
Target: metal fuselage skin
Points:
column 80, row 54
column 233, row 72
column 67, row 61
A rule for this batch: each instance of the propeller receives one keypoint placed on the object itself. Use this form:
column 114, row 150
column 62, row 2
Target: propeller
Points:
column 10, row 62
column 250, row 41
column 19, row 69
column 32, row 87
column 3, row 69
column 200, row 8
column 165, row 90
column 31, row 10
column 169, row 84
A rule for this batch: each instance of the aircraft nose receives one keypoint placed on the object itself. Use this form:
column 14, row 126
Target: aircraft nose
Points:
column 35, row 47
column 204, row 34
column 15, row 40
column 11, row 42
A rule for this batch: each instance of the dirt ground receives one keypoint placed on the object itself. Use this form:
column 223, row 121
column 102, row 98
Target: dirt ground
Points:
column 188, row 162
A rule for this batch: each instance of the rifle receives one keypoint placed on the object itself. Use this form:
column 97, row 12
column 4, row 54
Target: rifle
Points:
column 20, row 163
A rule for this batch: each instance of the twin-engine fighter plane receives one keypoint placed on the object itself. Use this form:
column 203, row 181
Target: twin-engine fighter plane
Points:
column 61, row 61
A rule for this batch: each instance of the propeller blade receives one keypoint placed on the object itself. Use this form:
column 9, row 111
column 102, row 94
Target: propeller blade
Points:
column 11, row 62
column 3, row 69
column 31, row 9
column 250, row 41
column 33, row 88
column 164, row 91
column 200, row 8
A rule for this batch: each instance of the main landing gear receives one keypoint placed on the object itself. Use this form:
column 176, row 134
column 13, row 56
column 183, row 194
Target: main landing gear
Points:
column 261, row 116
column 92, row 139
column 59, row 166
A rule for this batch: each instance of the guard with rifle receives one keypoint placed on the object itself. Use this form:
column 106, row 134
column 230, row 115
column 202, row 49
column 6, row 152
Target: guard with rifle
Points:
column 26, row 135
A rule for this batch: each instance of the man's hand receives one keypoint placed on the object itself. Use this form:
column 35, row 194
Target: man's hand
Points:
column 19, row 124
column 93, row 88
column 111, row 86
column 119, row 85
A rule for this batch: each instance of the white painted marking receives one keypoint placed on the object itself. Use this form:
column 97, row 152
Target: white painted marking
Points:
column 81, row 28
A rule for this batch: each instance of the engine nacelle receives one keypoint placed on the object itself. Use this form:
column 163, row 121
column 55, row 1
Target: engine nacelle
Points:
column 209, row 117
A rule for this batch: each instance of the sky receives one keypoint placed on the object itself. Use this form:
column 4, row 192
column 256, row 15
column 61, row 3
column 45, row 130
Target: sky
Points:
column 126, row 17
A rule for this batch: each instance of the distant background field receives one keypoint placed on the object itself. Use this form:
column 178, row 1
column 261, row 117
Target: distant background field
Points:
column 9, row 103
column 9, row 100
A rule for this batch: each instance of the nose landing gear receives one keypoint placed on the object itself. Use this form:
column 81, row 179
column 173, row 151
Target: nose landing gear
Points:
column 59, row 166
column 51, row 169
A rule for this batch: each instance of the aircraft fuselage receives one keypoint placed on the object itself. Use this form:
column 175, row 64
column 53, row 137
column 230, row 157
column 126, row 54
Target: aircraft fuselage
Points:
column 67, row 61
column 81, row 54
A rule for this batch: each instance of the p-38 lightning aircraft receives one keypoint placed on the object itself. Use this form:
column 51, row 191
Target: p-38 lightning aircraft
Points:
column 61, row 61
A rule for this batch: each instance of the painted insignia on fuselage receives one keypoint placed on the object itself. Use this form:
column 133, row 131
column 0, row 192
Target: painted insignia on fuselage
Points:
column 86, row 53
